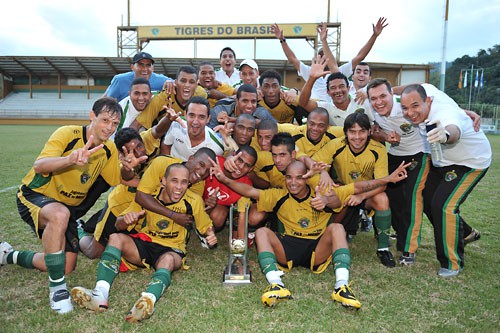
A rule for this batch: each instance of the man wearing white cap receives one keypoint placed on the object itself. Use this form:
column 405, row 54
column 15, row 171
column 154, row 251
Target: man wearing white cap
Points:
column 249, row 73
column 142, row 66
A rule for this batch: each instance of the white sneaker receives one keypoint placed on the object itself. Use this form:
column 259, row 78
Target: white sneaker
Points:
column 90, row 299
column 142, row 309
column 60, row 301
column 5, row 249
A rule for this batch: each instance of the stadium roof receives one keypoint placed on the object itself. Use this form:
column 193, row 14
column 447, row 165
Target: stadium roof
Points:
column 22, row 66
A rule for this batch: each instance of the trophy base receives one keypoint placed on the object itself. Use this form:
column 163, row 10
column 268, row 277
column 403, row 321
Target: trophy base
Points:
column 232, row 277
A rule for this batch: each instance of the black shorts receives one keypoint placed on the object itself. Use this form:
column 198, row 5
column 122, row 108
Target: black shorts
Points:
column 150, row 252
column 301, row 252
column 29, row 204
column 352, row 218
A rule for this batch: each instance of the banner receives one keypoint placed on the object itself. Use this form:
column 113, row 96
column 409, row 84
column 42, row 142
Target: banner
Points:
column 242, row 31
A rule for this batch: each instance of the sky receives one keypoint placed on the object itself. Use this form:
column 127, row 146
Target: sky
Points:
column 414, row 34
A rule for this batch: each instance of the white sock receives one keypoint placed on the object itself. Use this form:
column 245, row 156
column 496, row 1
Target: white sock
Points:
column 383, row 249
column 341, row 277
column 150, row 295
column 103, row 286
column 275, row 277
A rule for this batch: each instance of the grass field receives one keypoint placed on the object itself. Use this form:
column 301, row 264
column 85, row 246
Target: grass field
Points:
column 404, row 299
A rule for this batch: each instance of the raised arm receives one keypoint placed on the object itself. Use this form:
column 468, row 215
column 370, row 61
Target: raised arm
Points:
column 317, row 70
column 323, row 35
column 363, row 52
column 292, row 58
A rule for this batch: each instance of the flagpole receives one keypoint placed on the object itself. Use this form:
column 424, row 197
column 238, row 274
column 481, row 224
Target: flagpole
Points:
column 443, row 58
column 470, row 88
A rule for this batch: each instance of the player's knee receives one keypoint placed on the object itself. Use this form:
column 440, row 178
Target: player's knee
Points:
column 336, row 229
column 381, row 201
column 262, row 234
column 90, row 247
column 117, row 239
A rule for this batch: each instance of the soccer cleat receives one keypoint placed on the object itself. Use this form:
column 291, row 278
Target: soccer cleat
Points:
column 407, row 259
column 386, row 258
column 5, row 249
column 446, row 273
column 90, row 299
column 142, row 309
column 345, row 296
column 60, row 301
column 275, row 293
column 472, row 237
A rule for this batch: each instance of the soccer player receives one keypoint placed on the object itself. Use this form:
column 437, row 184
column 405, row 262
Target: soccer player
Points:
column 316, row 133
column 186, row 86
column 138, row 151
column 69, row 164
column 466, row 159
column 215, row 90
column 244, row 159
column 337, row 88
column 142, row 66
column 137, row 100
column 246, row 102
column 160, row 244
column 183, row 142
column 227, row 73
column 358, row 157
column 304, row 237
column 199, row 169
column 406, row 144
column 273, row 99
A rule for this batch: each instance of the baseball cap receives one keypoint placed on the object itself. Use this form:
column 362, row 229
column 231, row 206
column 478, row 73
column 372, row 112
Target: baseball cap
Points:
column 249, row 62
column 142, row 55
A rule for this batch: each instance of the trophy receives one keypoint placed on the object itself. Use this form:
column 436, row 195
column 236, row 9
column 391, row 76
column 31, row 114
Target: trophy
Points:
column 237, row 271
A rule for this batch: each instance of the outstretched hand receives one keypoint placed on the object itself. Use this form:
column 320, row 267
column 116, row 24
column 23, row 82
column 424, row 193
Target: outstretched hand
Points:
column 128, row 159
column 81, row 156
column 318, row 66
column 379, row 26
column 277, row 31
column 400, row 173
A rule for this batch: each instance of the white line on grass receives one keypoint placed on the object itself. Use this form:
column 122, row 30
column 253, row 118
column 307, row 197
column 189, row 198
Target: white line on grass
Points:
column 7, row 189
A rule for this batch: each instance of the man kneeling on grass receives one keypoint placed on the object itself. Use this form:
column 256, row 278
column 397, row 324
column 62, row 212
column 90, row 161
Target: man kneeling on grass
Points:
column 158, row 242
column 304, row 237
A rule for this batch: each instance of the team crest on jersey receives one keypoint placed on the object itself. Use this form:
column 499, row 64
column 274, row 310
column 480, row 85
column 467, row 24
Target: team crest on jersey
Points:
column 304, row 222
column 413, row 164
column 450, row 175
column 162, row 224
column 84, row 178
column 354, row 175
column 406, row 127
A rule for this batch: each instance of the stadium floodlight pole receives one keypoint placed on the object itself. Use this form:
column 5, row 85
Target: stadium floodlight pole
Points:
column 328, row 13
column 443, row 58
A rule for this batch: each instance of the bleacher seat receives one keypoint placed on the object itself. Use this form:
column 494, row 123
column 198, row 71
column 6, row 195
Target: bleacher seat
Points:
column 47, row 105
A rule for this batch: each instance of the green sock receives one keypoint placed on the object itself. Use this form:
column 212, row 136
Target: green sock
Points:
column 159, row 282
column 108, row 266
column 21, row 258
column 382, row 221
column 341, row 258
column 267, row 262
column 80, row 232
column 55, row 263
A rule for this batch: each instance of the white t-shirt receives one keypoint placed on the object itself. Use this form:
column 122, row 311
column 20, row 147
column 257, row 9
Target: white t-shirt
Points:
column 337, row 116
column 221, row 76
column 129, row 111
column 473, row 149
column 411, row 141
column 177, row 136
column 318, row 91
